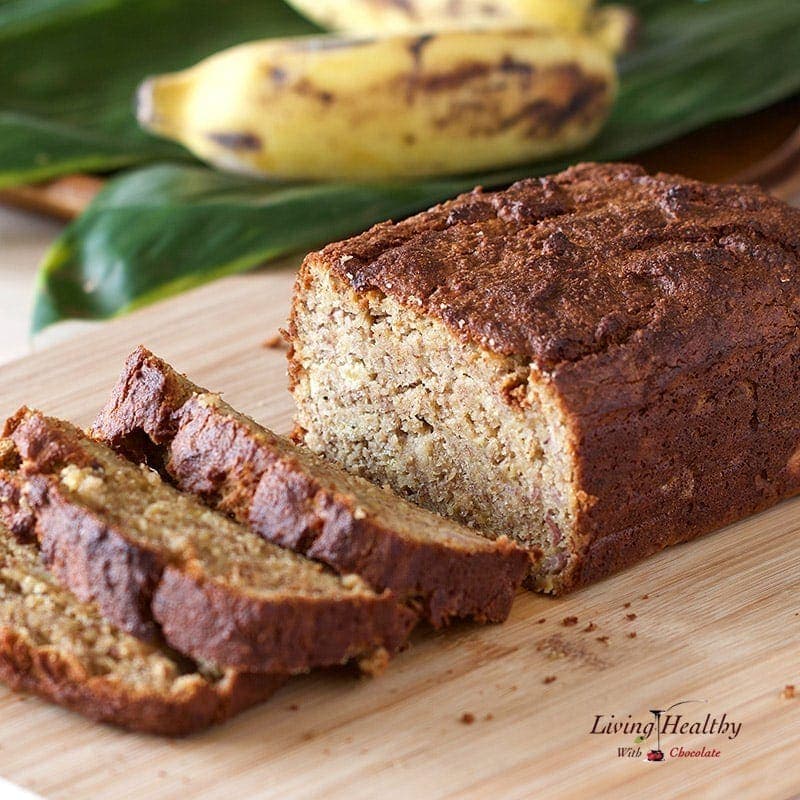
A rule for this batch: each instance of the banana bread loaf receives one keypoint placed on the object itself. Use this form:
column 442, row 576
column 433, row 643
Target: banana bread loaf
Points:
column 598, row 364
column 296, row 499
column 54, row 645
column 158, row 561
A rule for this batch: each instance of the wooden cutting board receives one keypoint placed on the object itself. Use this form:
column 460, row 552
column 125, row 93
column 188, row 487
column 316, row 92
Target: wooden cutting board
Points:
column 715, row 620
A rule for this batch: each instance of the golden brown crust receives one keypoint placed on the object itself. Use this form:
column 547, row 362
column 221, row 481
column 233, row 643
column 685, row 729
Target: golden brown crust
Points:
column 155, row 414
column 245, row 634
column 134, row 584
column 63, row 680
column 664, row 313
column 94, row 559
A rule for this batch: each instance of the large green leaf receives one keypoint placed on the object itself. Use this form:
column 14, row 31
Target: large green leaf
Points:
column 139, row 240
column 69, row 68
column 162, row 229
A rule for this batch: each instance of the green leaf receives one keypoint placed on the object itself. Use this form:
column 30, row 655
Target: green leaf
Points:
column 69, row 69
column 139, row 240
column 158, row 230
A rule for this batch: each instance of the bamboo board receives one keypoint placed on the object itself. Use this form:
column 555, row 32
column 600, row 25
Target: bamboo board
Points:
column 721, row 623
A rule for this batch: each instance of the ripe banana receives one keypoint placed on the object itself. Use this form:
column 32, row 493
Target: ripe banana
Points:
column 330, row 107
column 611, row 25
column 381, row 16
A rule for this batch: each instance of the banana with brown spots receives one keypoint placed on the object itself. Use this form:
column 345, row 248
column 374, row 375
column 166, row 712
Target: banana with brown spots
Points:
column 330, row 107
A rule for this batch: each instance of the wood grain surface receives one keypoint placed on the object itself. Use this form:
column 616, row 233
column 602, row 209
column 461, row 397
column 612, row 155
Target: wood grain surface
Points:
column 720, row 623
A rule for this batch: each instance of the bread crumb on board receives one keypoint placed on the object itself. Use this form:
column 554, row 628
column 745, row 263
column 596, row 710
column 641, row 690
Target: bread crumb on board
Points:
column 467, row 718
column 568, row 622
column 375, row 663
column 274, row 342
column 549, row 679
column 789, row 692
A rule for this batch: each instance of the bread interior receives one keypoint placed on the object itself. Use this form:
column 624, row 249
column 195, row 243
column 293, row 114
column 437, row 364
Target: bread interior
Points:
column 397, row 397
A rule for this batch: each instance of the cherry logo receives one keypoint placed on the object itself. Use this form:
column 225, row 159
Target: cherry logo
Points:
column 657, row 754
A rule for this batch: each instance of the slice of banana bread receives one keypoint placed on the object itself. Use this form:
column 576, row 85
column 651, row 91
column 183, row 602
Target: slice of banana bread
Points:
column 64, row 650
column 156, row 560
column 294, row 498
column 598, row 364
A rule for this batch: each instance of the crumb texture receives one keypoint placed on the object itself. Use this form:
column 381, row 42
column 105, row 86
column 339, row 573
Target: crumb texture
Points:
column 65, row 650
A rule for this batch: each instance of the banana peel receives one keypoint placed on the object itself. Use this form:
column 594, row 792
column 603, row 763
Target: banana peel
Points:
column 415, row 16
column 376, row 108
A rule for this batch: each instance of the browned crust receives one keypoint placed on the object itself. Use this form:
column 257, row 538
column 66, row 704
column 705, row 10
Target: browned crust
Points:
column 94, row 559
column 16, row 517
column 62, row 680
column 140, row 412
column 236, row 632
column 545, row 241
column 663, row 311
column 133, row 586
column 727, row 438
column 211, row 453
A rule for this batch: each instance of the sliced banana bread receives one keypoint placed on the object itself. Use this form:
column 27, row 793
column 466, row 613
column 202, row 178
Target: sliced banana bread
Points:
column 598, row 363
column 64, row 650
column 294, row 498
column 155, row 559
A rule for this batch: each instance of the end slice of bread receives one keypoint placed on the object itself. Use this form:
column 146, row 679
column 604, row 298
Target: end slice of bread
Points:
column 297, row 499
column 157, row 561
column 64, row 650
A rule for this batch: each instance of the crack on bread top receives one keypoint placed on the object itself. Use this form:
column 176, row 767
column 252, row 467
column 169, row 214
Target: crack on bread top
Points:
column 563, row 268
